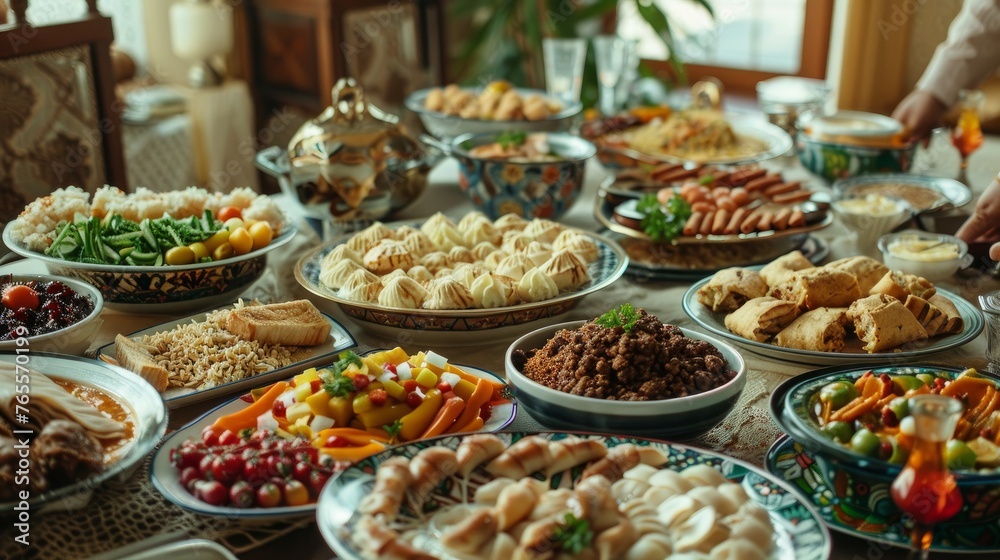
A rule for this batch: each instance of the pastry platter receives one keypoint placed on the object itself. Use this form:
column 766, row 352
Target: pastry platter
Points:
column 852, row 353
column 174, row 397
column 797, row 530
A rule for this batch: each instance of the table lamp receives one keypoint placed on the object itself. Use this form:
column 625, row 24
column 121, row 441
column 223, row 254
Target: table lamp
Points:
column 200, row 30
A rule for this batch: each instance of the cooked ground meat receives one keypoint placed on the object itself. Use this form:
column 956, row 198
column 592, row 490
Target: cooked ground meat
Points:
column 654, row 361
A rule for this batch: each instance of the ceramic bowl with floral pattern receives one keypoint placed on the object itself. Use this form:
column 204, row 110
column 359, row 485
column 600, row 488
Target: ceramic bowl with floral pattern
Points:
column 532, row 189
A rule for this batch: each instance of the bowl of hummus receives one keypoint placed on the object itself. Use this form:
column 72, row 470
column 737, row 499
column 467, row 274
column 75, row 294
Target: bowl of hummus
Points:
column 934, row 256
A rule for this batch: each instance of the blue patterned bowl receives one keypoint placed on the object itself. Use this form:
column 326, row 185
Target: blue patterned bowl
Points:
column 165, row 289
column 532, row 190
column 861, row 483
column 833, row 161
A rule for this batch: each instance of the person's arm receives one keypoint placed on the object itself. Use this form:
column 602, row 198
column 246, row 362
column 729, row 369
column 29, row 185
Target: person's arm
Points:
column 965, row 58
column 984, row 224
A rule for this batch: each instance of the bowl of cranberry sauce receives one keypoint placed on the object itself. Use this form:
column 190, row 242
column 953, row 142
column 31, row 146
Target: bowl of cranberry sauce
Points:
column 42, row 313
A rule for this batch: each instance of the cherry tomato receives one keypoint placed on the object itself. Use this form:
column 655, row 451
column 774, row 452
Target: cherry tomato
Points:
column 390, row 367
column 205, row 465
column 268, row 495
column 296, row 493
column 378, row 396
column 308, row 454
column 410, row 385
column 315, row 385
column 260, row 435
column 251, row 471
column 228, row 437
column 486, row 411
column 18, row 296
column 242, row 494
column 210, row 436
column 278, row 409
column 413, row 399
column 227, row 212
column 317, row 479
column 211, row 492
column 221, row 471
column 302, row 471
column 444, row 386
column 361, row 382
column 336, row 441
column 189, row 476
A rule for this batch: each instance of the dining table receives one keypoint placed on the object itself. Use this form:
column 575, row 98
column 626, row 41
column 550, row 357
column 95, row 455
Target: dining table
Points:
column 127, row 515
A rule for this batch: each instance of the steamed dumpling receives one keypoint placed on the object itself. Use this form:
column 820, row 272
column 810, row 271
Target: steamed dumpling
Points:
column 442, row 232
column 403, row 292
column 509, row 222
column 535, row 286
column 566, row 270
column 544, row 230
column 492, row 290
column 361, row 285
column 388, row 255
column 538, row 253
column 449, row 294
column 514, row 266
column 334, row 276
column 578, row 243
column 340, row 253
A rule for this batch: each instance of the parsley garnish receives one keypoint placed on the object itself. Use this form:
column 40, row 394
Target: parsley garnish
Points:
column 393, row 430
column 663, row 223
column 574, row 535
column 624, row 316
column 511, row 139
column 338, row 385
column 346, row 358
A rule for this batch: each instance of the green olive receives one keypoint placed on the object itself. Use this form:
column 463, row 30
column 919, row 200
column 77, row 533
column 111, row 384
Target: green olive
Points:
column 839, row 431
column 838, row 393
column 900, row 406
column 959, row 455
column 899, row 453
column 179, row 255
column 865, row 442
column 907, row 382
column 927, row 378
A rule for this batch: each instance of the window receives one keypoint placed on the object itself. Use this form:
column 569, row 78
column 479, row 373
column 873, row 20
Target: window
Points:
column 748, row 41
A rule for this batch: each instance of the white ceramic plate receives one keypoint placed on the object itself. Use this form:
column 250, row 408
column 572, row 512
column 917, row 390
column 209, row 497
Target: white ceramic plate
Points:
column 175, row 397
column 776, row 142
column 166, row 478
column 611, row 263
column 125, row 387
column 715, row 322
column 799, row 534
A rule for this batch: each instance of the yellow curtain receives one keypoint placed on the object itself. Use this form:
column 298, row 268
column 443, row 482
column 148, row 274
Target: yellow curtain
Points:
column 876, row 40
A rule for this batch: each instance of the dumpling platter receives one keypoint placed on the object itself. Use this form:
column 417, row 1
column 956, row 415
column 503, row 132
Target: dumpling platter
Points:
column 503, row 494
column 474, row 275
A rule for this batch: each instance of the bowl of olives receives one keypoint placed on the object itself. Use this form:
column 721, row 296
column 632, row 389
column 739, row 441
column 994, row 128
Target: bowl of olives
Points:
column 43, row 313
column 855, row 423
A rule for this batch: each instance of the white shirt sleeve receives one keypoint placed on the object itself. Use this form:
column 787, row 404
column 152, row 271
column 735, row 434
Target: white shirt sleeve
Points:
column 969, row 54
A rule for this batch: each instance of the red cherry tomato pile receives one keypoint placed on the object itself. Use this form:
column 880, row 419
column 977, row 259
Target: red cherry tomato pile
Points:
column 253, row 469
column 36, row 308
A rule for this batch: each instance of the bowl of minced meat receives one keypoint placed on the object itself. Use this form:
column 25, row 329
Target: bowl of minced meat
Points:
column 638, row 377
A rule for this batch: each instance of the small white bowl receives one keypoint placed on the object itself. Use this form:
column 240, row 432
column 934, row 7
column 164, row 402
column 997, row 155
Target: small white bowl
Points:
column 74, row 339
column 902, row 251
column 870, row 217
column 676, row 418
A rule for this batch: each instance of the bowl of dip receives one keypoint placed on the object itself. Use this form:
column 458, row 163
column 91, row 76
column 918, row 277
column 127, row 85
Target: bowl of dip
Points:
column 934, row 256
column 871, row 216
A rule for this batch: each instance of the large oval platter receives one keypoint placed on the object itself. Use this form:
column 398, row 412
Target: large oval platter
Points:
column 166, row 478
column 799, row 533
column 609, row 266
column 128, row 389
column 714, row 322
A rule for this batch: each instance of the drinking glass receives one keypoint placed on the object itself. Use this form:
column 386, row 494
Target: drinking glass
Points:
column 967, row 136
column 609, row 54
column 925, row 488
column 564, row 60
column 629, row 74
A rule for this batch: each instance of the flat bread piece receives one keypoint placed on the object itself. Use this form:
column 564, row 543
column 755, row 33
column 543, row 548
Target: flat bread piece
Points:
column 883, row 323
column 900, row 285
column 778, row 270
column 953, row 323
column 819, row 287
column 730, row 288
column 761, row 318
column 929, row 315
column 820, row 330
column 867, row 270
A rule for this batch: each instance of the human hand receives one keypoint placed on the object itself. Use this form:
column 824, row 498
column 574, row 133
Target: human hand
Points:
column 919, row 112
column 984, row 224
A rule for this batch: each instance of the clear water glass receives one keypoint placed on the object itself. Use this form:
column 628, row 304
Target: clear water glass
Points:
column 629, row 74
column 564, row 60
column 990, row 304
column 609, row 55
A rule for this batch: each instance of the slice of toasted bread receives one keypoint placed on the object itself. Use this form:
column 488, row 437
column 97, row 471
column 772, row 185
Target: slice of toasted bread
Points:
column 929, row 315
column 133, row 357
column 295, row 323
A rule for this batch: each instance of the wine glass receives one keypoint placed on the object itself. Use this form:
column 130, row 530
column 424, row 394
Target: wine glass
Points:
column 967, row 136
column 610, row 53
column 926, row 489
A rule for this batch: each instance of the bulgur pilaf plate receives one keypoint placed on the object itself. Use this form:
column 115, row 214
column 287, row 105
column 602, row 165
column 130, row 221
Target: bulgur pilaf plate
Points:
column 223, row 361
